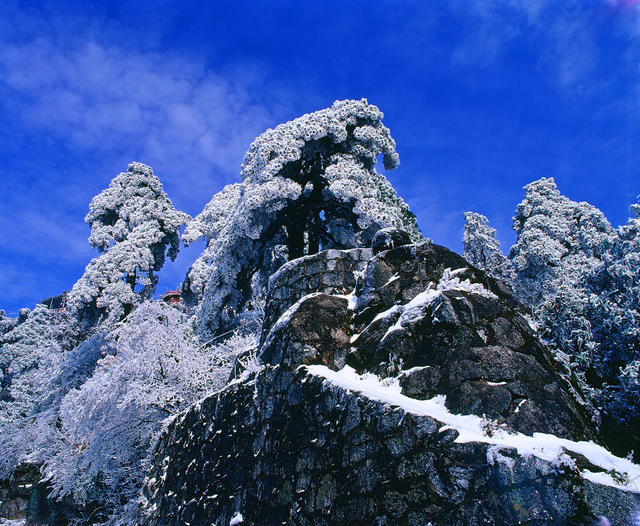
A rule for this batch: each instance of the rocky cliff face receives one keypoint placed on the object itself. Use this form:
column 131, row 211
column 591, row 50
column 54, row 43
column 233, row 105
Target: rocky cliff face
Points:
column 469, row 341
column 402, row 389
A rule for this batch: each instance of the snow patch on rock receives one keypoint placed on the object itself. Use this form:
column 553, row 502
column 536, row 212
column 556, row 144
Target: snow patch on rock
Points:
column 618, row 472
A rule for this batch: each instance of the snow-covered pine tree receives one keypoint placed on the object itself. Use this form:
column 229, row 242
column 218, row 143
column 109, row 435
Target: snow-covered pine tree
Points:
column 560, row 256
column 619, row 289
column 614, row 313
column 135, row 225
column 482, row 249
column 558, row 239
column 308, row 184
column 207, row 225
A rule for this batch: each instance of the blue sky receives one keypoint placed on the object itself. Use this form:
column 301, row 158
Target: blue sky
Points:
column 481, row 96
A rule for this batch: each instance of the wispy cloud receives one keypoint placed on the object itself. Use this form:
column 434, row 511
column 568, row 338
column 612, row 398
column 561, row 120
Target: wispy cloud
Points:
column 563, row 33
column 99, row 94
column 104, row 94
column 168, row 109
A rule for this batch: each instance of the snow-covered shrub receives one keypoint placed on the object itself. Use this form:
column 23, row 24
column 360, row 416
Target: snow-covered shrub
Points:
column 482, row 249
column 30, row 352
column 308, row 184
column 107, row 425
column 135, row 225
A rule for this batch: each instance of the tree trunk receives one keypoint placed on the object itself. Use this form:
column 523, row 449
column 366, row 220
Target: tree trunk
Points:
column 131, row 281
column 295, row 238
column 314, row 234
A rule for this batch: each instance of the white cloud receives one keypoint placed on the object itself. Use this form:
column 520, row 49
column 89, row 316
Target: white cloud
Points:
column 563, row 33
column 170, row 111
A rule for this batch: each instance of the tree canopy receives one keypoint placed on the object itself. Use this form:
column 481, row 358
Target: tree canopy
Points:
column 307, row 185
column 135, row 225
column 207, row 225
column 482, row 249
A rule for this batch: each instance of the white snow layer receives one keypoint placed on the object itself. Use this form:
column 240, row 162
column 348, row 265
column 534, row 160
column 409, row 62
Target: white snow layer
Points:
column 470, row 428
column 450, row 281
column 415, row 309
column 236, row 519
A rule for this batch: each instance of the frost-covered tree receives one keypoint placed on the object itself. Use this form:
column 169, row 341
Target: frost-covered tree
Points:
column 562, row 260
column 107, row 425
column 620, row 296
column 624, row 402
column 308, row 184
column 6, row 323
column 207, row 225
column 614, row 313
column 558, row 239
column 482, row 249
column 135, row 225
column 581, row 279
column 31, row 351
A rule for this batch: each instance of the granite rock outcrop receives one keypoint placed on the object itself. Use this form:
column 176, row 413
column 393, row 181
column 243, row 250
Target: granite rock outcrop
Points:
column 288, row 445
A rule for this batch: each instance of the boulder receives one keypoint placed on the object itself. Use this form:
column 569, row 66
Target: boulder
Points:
column 388, row 238
column 396, row 276
column 329, row 271
column 424, row 307
column 480, row 353
column 314, row 330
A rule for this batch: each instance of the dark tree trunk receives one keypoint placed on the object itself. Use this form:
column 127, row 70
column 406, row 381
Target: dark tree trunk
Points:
column 131, row 281
column 314, row 243
column 295, row 237
column 314, row 234
column 304, row 215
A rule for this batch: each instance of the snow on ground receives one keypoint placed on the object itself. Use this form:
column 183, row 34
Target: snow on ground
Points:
column 415, row 309
column 12, row 522
column 236, row 519
column 412, row 311
column 351, row 298
column 471, row 428
column 451, row 281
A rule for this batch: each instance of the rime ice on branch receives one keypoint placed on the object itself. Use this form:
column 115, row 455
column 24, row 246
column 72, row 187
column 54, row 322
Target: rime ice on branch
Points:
column 207, row 225
column 309, row 184
column 135, row 225
column 154, row 371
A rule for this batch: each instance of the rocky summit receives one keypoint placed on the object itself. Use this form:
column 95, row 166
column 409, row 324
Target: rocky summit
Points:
column 401, row 388
column 322, row 362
